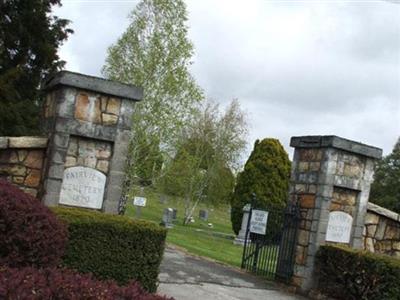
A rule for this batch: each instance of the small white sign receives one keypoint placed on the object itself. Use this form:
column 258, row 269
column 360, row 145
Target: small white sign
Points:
column 139, row 201
column 258, row 221
column 83, row 187
column 339, row 227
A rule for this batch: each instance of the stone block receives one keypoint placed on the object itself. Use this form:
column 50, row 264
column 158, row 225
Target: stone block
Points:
column 27, row 142
column 301, row 255
column 300, row 188
column 314, row 166
column 52, row 186
column 303, row 237
column 87, row 108
column 371, row 218
column 18, row 179
column 90, row 161
column 61, row 140
column 396, row 245
column 109, row 119
column 113, row 106
column 371, row 230
column 102, row 165
column 13, row 159
column 383, row 246
column 392, row 233
column 3, row 142
column 56, row 171
column 17, row 170
column 33, row 178
column 303, row 166
column 73, row 147
column 380, row 231
column 22, row 155
column 34, row 159
column 66, row 102
column 70, row 161
column 312, row 189
column 103, row 100
column 103, row 153
column 307, row 200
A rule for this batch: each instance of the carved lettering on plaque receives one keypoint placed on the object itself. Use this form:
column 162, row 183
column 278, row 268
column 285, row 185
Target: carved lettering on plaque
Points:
column 339, row 227
column 83, row 187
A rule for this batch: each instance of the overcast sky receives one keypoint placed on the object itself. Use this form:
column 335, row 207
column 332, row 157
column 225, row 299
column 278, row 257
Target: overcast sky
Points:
column 297, row 67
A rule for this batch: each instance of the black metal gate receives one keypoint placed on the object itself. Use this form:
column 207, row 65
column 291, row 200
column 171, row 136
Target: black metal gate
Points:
column 272, row 254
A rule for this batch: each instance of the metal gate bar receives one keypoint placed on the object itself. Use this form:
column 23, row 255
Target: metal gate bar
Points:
column 272, row 255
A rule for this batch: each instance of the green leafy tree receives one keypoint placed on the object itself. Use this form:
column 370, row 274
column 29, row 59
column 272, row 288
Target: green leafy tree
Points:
column 385, row 190
column 266, row 174
column 155, row 53
column 208, row 154
column 29, row 39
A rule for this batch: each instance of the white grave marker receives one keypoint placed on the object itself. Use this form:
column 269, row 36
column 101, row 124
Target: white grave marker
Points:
column 83, row 187
column 139, row 201
column 258, row 221
column 339, row 227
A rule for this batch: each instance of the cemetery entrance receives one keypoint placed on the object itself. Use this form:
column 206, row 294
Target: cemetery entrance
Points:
column 269, row 248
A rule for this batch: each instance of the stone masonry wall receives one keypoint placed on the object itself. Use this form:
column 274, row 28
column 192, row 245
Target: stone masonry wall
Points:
column 382, row 231
column 88, row 153
column 21, row 161
column 329, row 174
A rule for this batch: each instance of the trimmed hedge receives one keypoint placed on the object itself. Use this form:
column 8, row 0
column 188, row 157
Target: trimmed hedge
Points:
column 30, row 234
column 345, row 273
column 113, row 247
column 50, row 283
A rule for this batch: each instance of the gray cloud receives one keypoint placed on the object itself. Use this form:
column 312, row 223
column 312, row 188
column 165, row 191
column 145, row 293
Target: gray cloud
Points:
column 297, row 67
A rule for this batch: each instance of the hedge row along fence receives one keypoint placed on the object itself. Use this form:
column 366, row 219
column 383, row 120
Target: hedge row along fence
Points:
column 113, row 247
column 345, row 273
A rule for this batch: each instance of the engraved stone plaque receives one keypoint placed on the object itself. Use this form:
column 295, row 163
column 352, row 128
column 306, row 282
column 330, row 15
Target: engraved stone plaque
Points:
column 339, row 227
column 83, row 187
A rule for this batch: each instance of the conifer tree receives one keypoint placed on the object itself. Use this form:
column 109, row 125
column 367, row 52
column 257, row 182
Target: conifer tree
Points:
column 385, row 190
column 266, row 174
column 29, row 39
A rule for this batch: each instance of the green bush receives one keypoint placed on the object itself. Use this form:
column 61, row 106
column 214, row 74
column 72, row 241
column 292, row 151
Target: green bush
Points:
column 113, row 247
column 266, row 174
column 345, row 273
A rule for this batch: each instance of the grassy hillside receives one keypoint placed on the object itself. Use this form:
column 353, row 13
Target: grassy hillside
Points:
column 197, row 238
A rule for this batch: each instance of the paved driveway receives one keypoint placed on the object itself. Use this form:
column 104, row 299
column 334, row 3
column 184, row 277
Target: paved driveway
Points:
column 183, row 276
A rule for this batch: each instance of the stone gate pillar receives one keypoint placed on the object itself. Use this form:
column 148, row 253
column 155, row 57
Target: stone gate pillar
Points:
column 330, row 179
column 88, row 121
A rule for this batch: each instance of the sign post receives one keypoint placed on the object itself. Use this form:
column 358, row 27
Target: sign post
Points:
column 139, row 202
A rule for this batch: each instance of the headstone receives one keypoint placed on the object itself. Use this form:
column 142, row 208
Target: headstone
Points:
column 241, row 237
column 174, row 214
column 258, row 222
column 203, row 215
column 339, row 227
column 163, row 199
column 167, row 218
column 83, row 187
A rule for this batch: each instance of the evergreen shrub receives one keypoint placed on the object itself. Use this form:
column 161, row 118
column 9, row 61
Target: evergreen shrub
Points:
column 51, row 283
column 113, row 247
column 346, row 273
column 30, row 234
column 266, row 174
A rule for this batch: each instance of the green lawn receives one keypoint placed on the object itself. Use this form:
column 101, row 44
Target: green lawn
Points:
column 197, row 238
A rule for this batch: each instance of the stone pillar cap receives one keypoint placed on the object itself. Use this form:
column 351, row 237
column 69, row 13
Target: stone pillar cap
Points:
column 95, row 84
column 333, row 141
